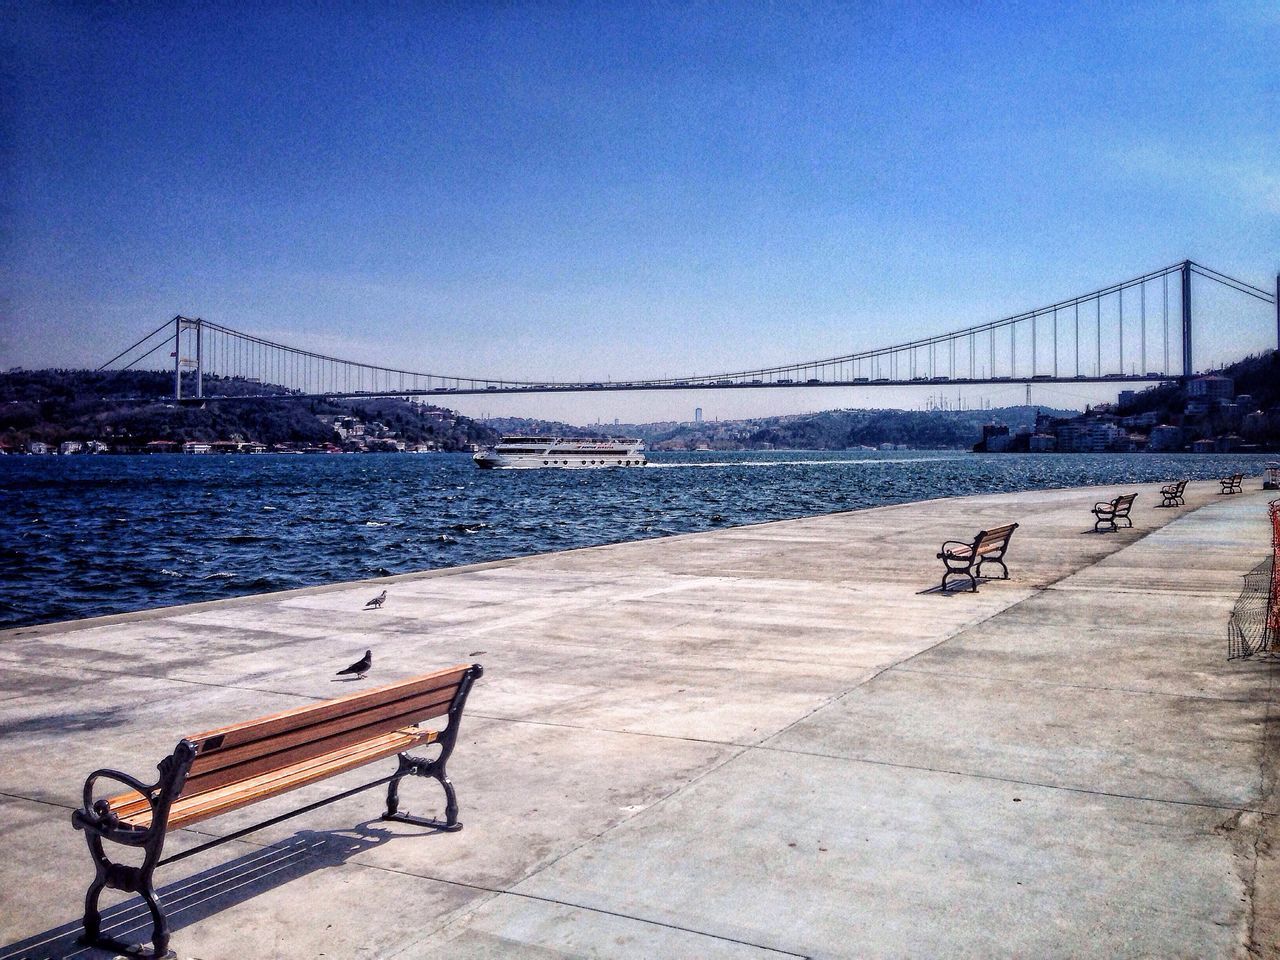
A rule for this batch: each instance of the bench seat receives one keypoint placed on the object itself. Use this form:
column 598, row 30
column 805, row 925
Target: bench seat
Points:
column 134, row 810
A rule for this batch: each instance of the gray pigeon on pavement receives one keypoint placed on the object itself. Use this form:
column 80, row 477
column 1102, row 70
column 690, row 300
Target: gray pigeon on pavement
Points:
column 360, row 667
column 377, row 601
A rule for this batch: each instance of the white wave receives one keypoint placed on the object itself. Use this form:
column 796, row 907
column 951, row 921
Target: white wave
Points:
column 802, row 463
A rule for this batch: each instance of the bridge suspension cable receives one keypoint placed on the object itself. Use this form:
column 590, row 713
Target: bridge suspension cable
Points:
column 1058, row 342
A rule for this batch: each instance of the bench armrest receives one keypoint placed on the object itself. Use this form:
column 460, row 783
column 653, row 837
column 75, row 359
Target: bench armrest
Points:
column 963, row 544
column 1104, row 505
column 96, row 816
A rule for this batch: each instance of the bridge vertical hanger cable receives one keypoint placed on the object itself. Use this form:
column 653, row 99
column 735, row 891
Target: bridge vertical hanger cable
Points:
column 1142, row 327
column 1097, row 302
column 1035, row 343
column 1165, row 368
column 1121, row 329
column 1077, row 340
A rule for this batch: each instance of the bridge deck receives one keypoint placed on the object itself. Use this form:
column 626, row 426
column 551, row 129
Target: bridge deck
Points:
column 757, row 742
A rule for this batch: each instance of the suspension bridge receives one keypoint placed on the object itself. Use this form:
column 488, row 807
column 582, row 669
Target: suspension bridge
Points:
column 1136, row 330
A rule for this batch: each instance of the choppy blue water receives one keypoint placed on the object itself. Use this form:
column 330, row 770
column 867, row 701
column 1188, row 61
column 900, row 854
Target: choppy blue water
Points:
column 85, row 536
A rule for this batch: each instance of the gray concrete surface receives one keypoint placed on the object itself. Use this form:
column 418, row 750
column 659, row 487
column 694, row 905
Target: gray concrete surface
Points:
column 769, row 741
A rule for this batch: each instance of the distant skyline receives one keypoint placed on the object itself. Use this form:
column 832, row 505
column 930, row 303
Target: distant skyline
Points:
column 613, row 191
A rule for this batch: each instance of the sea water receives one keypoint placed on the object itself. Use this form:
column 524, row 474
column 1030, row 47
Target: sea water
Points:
column 83, row 536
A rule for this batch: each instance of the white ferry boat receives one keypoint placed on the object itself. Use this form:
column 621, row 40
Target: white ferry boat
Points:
column 529, row 453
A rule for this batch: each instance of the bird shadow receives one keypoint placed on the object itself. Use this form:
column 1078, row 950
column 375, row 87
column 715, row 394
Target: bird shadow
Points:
column 197, row 897
column 345, row 679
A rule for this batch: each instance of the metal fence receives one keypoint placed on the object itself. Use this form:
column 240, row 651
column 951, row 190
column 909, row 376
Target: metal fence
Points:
column 1273, row 598
column 1254, row 627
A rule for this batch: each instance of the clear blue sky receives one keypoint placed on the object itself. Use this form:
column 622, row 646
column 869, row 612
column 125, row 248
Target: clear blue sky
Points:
column 584, row 191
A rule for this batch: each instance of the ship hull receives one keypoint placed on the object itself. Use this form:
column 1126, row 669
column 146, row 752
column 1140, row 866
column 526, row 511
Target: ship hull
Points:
column 561, row 454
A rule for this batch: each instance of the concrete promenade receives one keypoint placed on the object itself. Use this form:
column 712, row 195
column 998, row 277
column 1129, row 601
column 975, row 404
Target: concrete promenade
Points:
column 768, row 741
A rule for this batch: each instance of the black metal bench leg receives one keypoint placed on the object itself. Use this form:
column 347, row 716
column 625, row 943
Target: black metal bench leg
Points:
column 418, row 767
column 129, row 880
column 1004, row 575
column 92, row 916
column 973, row 583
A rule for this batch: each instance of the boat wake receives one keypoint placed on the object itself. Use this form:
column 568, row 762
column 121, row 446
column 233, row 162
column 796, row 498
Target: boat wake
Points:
column 652, row 465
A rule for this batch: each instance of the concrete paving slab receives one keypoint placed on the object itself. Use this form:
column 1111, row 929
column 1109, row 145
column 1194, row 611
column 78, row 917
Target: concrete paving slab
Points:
column 523, row 928
column 573, row 785
column 1173, row 748
column 875, row 861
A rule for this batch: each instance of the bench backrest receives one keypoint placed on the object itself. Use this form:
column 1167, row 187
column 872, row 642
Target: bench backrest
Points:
column 994, row 539
column 243, row 750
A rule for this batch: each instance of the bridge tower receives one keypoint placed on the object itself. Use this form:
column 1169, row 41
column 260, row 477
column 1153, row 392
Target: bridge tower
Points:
column 181, row 323
column 1187, row 369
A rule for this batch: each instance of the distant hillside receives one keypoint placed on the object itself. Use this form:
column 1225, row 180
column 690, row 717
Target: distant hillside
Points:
column 829, row 430
column 1258, row 376
column 128, row 409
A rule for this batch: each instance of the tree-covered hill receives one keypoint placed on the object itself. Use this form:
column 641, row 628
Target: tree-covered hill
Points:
column 829, row 430
column 128, row 409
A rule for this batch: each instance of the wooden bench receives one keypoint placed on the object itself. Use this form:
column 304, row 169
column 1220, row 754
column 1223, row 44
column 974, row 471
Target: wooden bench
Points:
column 1172, row 494
column 961, row 558
column 225, row 769
column 1108, row 513
column 1232, row 484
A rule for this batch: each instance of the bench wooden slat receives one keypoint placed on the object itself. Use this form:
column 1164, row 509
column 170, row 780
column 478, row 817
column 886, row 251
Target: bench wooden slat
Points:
column 192, row 809
column 294, row 717
column 316, row 729
column 246, row 751
column 290, row 745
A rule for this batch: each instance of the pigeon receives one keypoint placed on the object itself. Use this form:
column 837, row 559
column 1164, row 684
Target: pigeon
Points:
column 377, row 601
column 360, row 667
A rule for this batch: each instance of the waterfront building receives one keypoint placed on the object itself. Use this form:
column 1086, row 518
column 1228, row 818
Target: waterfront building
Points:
column 1203, row 446
column 1043, row 443
column 35, row 446
column 1092, row 436
column 995, row 438
column 1254, row 424
column 1213, row 387
column 195, row 446
column 1148, row 419
column 1165, row 437
column 70, row 446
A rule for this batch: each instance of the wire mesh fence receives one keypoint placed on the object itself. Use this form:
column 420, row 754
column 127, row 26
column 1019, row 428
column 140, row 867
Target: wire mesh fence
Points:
column 1254, row 628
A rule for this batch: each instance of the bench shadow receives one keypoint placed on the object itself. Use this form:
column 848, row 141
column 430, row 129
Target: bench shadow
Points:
column 201, row 895
column 948, row 592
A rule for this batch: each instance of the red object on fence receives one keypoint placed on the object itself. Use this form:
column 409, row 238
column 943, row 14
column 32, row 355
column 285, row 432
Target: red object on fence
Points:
column 1273, row 601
